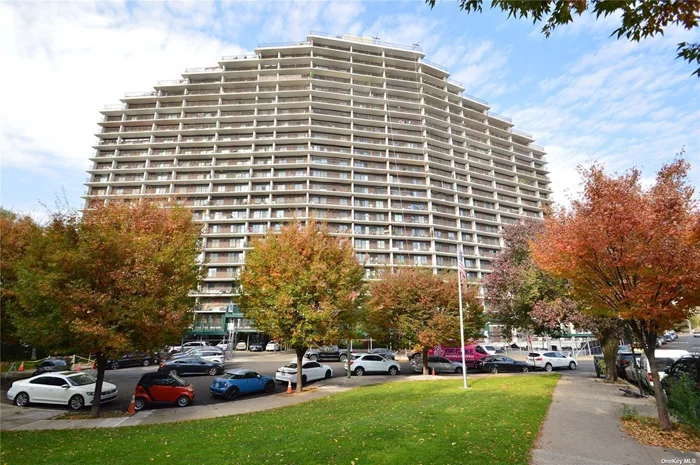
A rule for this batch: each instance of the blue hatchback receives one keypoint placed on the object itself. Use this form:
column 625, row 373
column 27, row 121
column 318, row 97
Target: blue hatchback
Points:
column 240, row 381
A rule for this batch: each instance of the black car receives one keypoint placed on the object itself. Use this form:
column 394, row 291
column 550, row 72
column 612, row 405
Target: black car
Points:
column 191, row 366
column 386, row 353
column 688, row 366
column 256, row 347
column 501, row 364
column 136, row 359
column 52, row 365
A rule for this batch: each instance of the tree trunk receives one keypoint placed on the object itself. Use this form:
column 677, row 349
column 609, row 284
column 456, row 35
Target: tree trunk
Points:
column 661, row 407
column 426, row 369
column 611, row 344
column 101, row 367
column 300, row 357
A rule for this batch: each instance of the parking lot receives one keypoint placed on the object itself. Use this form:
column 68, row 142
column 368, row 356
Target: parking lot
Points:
column 264, row 363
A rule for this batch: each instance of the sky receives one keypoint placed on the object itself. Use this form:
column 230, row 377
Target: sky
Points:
column 584, row 95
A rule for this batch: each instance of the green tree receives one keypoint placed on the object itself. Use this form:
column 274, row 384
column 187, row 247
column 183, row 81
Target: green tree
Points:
column 422, row 309
column 16, row 233
column 640, row 19
column 116, row 279
column 302, row 286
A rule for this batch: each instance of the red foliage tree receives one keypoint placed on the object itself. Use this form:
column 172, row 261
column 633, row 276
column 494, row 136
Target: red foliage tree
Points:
column 630, row 252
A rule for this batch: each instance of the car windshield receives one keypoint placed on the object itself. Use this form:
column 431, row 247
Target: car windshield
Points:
column 81, row 380
column 291, row 365
column 179, row 380
column 491, row 348
column 234, row 375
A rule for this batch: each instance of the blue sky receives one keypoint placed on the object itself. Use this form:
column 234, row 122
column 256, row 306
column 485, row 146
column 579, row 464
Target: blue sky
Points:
column 584, row 96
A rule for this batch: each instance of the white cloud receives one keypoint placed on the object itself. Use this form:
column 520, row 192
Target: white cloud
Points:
column 68, row 60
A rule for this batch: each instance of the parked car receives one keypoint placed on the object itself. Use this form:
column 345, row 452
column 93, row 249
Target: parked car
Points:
column 622, row 361
column 439, row 364
column 641, row 370
column 311, row 371
column 386, row 353
column 272, row 346
column 671, row 335
column 212, row 354
column 191, row 366
column 241, row 346
column 327, row 353
column 136, row 359
column 163, row 389
column 685, row 366
column 256, row 347
column 52, row 365
column 76, row 390
column 549, row 360
column 472, row 353
column 372, row 363
column 502, row 364
column 240, row 381
column 696, row 333
column 188, row 345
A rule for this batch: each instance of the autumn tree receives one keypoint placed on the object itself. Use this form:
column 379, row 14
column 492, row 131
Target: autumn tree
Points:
column 422, row 309
column 630, row 252
column 639, row 19
column 116, row 279
column 301, row 286
column 16, row 233
column 522, row 296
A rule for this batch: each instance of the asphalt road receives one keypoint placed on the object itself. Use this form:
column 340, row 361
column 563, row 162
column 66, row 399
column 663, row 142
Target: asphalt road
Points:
column 264, row 363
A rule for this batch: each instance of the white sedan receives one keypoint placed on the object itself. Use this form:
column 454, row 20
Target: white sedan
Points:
column 70, row 388
column 372, row 363
column 550, row 360
column 272, row 346
column 310, row 371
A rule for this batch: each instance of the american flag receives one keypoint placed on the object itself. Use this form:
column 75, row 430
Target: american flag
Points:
column 460, row 265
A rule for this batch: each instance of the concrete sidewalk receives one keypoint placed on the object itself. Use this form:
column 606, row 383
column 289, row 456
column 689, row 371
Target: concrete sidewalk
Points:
column 583, row 428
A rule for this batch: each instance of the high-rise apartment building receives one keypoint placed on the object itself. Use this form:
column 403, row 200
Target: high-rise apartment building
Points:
column 370, row 137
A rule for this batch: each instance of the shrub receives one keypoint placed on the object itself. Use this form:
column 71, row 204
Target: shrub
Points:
column 684, row 401
column 628, row 413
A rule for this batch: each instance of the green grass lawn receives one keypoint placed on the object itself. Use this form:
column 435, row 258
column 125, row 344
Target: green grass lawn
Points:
column 413, row 422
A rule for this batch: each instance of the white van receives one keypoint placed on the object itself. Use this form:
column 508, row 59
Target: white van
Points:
column 664, row 360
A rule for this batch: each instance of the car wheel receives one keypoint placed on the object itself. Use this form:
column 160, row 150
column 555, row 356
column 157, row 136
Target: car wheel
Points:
column 139, row 403
column 232, row 393
column 359, row 371
column 76, row 402
column 270, row 386
column 146, row 362
column 303, row 380
column 572, row 366
column 458, row 370
column 525, row 369
column 494, row 370
column 343, row 358
column 22, row 399
column 393, row 371
column 173, row 372
column 211, row 371
column 183, row 401
column 416, row 356
column 548, row 367
column 313, row 357
column 328, row 374
column 114, row 366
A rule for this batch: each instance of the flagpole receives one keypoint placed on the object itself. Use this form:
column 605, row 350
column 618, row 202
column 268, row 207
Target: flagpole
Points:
column 460, row 267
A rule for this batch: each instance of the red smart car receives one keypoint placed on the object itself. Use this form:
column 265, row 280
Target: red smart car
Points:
column 163, row 389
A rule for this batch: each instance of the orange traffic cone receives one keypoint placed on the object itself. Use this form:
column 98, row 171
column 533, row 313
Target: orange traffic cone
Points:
column 132, row 406
column 79, row 368
column 289, row 388
column 433, row 371
column 21, row 367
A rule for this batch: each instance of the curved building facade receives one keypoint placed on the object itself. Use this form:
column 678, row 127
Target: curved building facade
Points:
column 372, row 138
